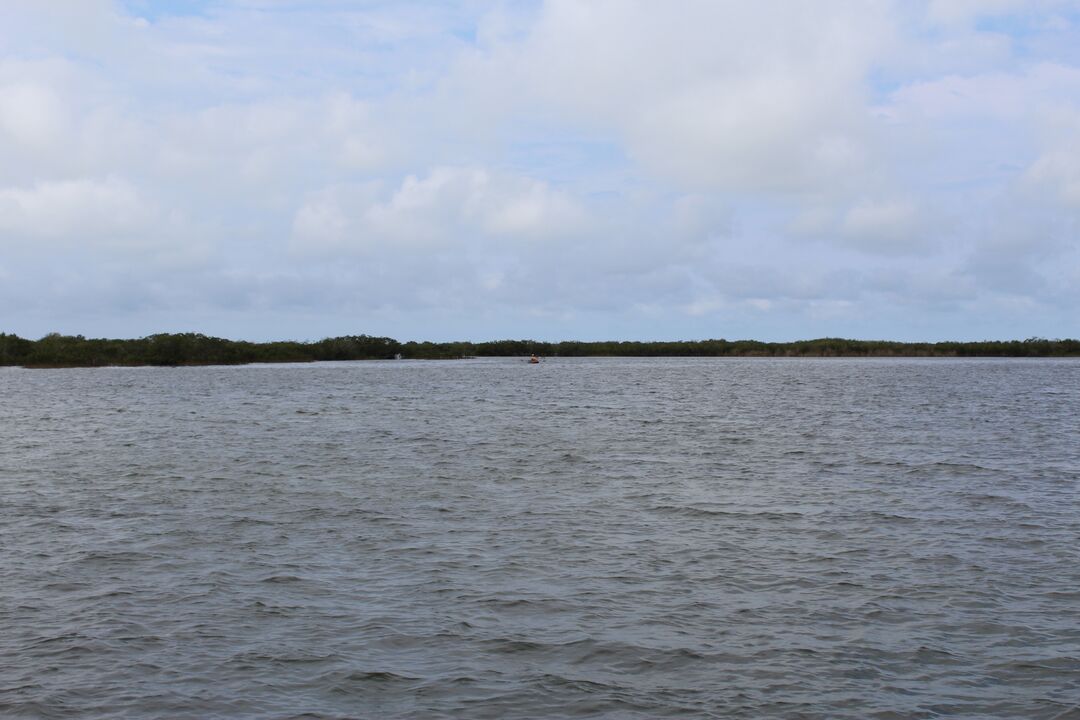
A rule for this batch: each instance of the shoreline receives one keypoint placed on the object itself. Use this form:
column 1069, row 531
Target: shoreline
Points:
column 56, row 351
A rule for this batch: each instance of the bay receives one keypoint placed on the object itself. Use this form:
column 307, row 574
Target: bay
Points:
column 603, row 538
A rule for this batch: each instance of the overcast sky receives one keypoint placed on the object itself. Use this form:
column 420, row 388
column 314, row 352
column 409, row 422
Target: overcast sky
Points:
column 571, row 169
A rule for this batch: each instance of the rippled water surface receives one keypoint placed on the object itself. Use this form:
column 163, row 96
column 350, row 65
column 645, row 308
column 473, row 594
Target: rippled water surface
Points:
column 592, row 538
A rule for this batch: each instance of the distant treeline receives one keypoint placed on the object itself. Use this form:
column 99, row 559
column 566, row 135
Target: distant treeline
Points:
column 57, row 350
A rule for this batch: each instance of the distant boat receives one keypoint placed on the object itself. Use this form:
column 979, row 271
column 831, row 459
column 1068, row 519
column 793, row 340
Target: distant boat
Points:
column 534, row 360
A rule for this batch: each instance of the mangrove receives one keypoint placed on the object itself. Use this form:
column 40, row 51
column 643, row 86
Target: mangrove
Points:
column 176, row 349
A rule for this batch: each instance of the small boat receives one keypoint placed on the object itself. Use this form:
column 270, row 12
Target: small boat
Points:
column 533, row 360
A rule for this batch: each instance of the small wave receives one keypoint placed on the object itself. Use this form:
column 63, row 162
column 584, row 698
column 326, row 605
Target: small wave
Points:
column 110, row 557
column 953, row 468
column 1063, row 594
column 696, row 511
column 67, row 586
column 1057, row 664
column 994, row 499
column 561, row 681
column 509, row 646
column 378, row 676
column 891, row 517
column 277, row 579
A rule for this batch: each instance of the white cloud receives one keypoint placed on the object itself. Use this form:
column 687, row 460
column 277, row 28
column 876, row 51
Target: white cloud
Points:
column 321, row 221
column 718, row 95
column 997, row 95
column 91, row 224
column 890, row 223
column 71, row 211
column 612, row 159
column 30, row 114
column 457, row 208
column 964, row 12
column 1057, row 167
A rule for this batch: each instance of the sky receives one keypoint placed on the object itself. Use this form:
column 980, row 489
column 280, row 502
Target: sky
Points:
column 556, row 170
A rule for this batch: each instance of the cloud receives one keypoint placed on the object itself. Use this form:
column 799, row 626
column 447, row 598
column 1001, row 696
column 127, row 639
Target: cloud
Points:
column 109, row 210
column 90, row 224
column 459, row 208
column 688, row 92
column 889, row 225
column 994, row 95
column 615, row 164
column 964, row 12
column 1057, row 168
column 30, row 114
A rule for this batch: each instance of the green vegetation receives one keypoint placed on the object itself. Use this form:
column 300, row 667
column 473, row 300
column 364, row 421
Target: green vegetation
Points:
column 57, row 350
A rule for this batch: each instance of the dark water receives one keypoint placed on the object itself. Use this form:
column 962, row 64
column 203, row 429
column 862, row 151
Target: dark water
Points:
column 586, row 538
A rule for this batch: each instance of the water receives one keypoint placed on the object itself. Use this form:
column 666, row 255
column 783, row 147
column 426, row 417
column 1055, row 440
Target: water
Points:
column 592, row 538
